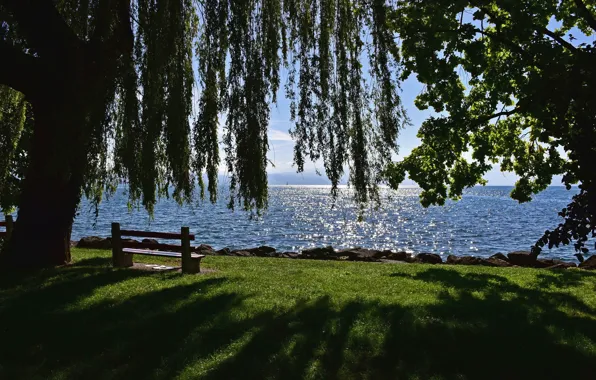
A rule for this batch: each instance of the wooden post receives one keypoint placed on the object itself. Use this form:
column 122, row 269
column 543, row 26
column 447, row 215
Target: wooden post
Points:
column 186, row 264
column 119, row 259
column 116, row 244
column 9, row 225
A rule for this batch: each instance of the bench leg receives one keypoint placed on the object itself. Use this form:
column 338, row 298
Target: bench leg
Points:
column 119, row 258
column 123, row 260
column 192, row 266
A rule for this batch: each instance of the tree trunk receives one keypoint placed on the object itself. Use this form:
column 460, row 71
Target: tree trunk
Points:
column 67, row 84
column 52, row 187
column 40, row 238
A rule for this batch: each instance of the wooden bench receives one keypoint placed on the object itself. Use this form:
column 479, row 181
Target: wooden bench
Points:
column 123, row 251
column 7, row 224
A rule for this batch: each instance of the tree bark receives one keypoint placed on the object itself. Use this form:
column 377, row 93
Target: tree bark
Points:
column 52, row 186
column 66, row 79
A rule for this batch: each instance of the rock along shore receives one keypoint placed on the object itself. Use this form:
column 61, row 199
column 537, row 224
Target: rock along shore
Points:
column 512, row 259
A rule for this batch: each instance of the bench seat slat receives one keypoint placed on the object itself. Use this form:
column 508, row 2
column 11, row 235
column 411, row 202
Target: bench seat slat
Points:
column 159, row 253
column 3, row 223
column 152, row 246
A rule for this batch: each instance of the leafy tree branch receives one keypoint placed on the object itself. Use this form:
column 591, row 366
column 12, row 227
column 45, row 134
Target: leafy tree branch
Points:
column 586, row 14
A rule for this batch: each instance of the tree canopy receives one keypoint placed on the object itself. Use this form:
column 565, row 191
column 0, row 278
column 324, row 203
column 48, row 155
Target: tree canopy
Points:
column 147, row 128
column 513, row 85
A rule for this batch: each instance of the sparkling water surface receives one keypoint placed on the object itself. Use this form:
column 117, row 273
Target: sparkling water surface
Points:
column 485, row 221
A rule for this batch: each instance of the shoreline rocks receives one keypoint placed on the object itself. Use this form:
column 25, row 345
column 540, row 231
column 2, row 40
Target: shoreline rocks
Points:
column 499, row 256
column 95, row 242
column 321, row 253
column 429, row 258
column 512, row 259
column 589, row 263
column 522, row 258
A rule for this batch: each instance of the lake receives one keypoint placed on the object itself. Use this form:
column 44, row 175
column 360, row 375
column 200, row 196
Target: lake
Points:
column 485, row 221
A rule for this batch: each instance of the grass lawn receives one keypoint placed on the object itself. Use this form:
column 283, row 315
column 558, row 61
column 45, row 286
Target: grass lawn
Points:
column 257, row 318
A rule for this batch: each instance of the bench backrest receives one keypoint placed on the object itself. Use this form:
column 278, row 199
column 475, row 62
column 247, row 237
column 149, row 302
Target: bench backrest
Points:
column 117, row 234
column 158, row 235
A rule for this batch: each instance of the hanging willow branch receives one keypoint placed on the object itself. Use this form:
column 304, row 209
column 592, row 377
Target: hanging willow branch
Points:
column 190, row 69
column 13, row 111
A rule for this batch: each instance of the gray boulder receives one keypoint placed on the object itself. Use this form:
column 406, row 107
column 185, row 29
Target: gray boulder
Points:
column 262, row 251
column 289, row 255
column 125, row 240
column 429, row 258
column 499, row 256
column 223, row 251
column 319, row 253
column 94, row 242
column 465, row 260
column 360, row 254
column 522, row 259
column 549, row 263
column 589, row 263
column 399, row 256
column 204, row 248
column 241, row 253
column 496, row 262
column 473, row 260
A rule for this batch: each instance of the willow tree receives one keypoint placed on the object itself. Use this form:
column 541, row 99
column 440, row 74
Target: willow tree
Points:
column 513, row 85
column 134, row 89
column 15, row 131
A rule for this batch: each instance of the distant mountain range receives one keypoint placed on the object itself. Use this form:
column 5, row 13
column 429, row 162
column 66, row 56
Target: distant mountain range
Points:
column 299, row 179
column 291, row 178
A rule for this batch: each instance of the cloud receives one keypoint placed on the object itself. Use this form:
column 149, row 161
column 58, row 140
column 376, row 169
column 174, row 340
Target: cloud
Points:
column 275, row 135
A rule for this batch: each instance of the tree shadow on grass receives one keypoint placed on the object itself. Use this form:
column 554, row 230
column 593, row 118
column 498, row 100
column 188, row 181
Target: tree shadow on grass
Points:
column 500, row 331
column 482, row 326
column 60, row 328
column 560, row 279
column 473, row 332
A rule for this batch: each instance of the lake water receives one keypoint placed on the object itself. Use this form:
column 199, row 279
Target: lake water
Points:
column 484, row 222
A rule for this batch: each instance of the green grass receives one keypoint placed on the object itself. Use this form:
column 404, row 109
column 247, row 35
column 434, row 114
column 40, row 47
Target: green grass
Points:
column 256, row 318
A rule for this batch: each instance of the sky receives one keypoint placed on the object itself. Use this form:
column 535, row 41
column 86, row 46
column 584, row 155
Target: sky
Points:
column 282, row 146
